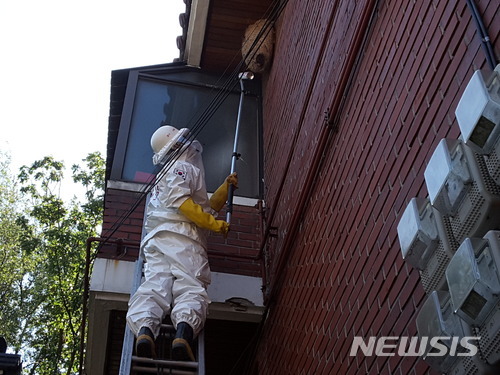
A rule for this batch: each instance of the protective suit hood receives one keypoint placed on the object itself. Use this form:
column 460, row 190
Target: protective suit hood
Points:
column 167, row 139
column 192, row 154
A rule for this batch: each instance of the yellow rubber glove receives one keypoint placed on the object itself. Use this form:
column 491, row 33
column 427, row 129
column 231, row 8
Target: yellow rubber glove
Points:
column 195, row 213
column 219, row 198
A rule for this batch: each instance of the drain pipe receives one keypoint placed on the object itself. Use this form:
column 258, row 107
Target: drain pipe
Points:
column 86, row 284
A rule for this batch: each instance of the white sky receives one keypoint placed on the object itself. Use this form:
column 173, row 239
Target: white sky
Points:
column 56, row 62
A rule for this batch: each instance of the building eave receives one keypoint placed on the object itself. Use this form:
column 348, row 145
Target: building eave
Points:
column 195, row 37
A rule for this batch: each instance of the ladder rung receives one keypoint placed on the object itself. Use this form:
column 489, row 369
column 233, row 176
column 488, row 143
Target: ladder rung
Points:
column 153, row 370
column 158, row 366
column 164, row 362
column 169, row 327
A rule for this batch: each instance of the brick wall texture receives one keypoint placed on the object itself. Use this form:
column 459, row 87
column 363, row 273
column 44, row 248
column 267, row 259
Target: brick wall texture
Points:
column 338, row 272
column 237, row 254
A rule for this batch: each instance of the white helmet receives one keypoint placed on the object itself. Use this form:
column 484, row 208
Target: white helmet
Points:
column 167, row 138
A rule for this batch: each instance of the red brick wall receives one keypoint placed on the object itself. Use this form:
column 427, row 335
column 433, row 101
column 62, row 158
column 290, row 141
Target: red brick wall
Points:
column 237, row 254
column 344, row 274
column 120, row 222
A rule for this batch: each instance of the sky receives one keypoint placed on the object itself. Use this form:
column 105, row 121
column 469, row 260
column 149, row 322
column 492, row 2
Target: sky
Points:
column 56, row 62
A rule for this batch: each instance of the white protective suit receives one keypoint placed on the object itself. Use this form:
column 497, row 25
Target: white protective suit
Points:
column 177, row 271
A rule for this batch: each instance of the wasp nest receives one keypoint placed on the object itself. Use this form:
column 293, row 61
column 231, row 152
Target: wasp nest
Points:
column 258, row 46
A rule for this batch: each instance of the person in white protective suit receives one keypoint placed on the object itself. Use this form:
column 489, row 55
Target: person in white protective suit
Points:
column 177, row 273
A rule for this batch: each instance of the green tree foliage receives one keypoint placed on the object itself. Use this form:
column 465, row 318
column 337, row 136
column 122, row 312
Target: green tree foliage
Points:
column 13, row 264
column 46, row 304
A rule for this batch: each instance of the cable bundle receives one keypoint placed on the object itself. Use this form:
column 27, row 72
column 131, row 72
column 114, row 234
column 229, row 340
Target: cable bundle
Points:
column 201, row 121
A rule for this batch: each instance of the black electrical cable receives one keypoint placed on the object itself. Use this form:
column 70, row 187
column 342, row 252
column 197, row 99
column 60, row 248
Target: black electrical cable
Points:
column 276, row 10
column 483, row 34
column 227, row 87
column 201, row 121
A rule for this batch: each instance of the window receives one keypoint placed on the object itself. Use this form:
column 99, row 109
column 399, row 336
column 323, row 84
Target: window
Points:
column 184, row 97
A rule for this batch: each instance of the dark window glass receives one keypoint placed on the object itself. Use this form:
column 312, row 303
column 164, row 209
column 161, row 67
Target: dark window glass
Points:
column 184, row 105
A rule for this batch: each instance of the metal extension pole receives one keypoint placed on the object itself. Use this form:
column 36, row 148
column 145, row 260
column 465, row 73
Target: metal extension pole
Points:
column 242, row 77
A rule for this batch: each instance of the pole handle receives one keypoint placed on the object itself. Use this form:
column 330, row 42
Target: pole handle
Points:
column 229, row 206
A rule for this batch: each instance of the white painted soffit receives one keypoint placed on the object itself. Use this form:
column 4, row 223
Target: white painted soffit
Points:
column 115, row 276
column 196, row 32
column 111, row 275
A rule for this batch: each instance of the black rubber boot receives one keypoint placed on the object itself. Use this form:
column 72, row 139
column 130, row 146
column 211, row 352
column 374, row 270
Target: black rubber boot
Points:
column 181, row 346
column 145, row 344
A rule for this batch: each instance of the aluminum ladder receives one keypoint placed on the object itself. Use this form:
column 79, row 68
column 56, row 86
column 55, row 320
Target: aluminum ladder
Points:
column 132, row 365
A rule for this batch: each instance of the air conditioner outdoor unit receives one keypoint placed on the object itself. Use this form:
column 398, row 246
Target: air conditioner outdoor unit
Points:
column 426, row 242
column 460, row 187
column 452, row 346
column 478, row 111
column 473, row 276
column 478, row 116
column 436, row 319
